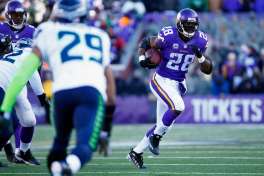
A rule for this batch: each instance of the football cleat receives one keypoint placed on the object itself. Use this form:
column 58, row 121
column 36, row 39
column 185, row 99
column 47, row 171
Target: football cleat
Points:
column 154, row 141
column 10, row 154
column 136, row 159
column 104, row 146
column 60, row 169
column 27, row 157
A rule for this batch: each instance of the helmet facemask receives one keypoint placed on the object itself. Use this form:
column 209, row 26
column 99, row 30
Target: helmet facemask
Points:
column 16, row 19
column 187, row 28
column 187, row 22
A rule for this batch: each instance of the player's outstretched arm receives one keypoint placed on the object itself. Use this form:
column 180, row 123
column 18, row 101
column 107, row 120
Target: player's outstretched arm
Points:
column 23, row 74
column 111, row 87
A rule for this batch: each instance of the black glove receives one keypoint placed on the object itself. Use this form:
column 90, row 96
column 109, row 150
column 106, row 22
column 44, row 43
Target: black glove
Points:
column 147, row 64
column 46, row 105
column 5, row 123
column 197, row 51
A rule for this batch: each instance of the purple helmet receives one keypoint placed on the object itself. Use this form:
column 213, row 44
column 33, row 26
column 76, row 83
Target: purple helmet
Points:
column 15, row 14
column 187, row 22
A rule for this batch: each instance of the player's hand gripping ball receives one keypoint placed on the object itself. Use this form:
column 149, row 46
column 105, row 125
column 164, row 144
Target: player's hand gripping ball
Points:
column 154, row 56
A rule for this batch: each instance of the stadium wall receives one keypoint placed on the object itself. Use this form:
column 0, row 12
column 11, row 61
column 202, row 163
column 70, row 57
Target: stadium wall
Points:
column 230, row 109
column 248, row 109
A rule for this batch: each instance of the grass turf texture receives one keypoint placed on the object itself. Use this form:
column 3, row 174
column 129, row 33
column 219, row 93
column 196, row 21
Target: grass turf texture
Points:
column 186, row 150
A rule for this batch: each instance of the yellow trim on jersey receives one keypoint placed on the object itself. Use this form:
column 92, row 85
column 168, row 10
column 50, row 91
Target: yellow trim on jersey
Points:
column 163, row 92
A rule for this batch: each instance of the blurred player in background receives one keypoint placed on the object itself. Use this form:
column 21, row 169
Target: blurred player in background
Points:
column 94, row 19
column 17, row 28
column 179, row 46
column 105, row 135
column 79, row 56
column 16, row 22
column 10, row 61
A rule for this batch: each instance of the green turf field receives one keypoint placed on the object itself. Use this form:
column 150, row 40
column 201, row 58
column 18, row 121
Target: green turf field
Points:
column 186, row 150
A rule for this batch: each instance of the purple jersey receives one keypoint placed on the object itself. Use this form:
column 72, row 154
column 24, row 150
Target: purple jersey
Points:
column 26, row 32
column 176, row 54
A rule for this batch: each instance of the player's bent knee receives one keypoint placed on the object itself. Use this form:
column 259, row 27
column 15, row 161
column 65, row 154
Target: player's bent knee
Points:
column 180, row 107
column 176, row 112
column 29, row 122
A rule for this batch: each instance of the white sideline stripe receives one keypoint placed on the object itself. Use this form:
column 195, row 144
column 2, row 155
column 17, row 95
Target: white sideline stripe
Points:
column 146, row 173
column 232, row 145
column 200, row 151
column 173, row 157
column 186, row 157
column 174, row 164
column 163, row 151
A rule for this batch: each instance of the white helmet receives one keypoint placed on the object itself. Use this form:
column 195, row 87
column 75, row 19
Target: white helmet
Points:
column 70, row 9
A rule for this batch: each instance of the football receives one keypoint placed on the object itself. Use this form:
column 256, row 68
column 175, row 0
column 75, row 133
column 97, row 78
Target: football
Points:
column 154, row 56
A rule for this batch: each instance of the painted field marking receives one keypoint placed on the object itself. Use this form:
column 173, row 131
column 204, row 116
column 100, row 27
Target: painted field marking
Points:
column 175, row 164
column 146, row 173
column 173, row 157
column 165, row 151
column 234, row 145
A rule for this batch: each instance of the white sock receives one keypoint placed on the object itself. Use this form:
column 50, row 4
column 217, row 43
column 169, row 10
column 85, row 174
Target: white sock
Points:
column 16, row 150
column 24, row 146
column 7, row 142
column 142, row 145
column 56, row 168
column 74, row 163
column 161, row 129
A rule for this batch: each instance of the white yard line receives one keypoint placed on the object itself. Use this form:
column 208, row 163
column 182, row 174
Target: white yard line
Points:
column 146, row 173
column 175, row 151
column 175, row 164
column 179, row 145
column 172, row 157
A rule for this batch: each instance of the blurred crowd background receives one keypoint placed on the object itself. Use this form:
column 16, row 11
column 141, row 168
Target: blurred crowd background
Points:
column 235, row 30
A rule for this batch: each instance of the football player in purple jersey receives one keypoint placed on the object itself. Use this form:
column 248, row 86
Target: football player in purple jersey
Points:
column 17, row 28
column 179, row 46
column 16, row 22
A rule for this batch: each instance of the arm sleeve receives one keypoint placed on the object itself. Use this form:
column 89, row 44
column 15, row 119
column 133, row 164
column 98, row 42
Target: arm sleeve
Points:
column 203, row 41
column 161, row 41
column 164, row 37
column 35, row 83
column 32, row 62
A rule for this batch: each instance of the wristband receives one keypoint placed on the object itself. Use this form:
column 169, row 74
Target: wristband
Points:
column 201, row 59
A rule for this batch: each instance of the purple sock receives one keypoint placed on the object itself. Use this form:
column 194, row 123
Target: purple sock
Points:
column 17, row 136
column 150, row 131
column 26, row 134
column 169, row 117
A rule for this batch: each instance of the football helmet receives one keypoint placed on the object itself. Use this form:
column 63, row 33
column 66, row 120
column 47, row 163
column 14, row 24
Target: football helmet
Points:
column 70, row 9
column 187, row 22
column 15, row 14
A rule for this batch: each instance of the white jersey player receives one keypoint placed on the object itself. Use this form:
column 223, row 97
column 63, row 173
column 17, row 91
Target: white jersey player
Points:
column 9, row 64
column 78, row 56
